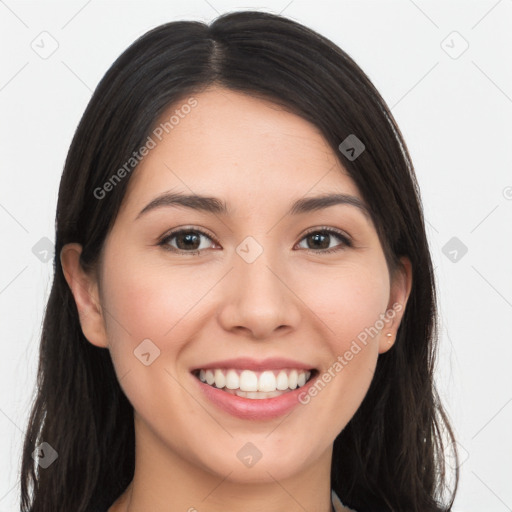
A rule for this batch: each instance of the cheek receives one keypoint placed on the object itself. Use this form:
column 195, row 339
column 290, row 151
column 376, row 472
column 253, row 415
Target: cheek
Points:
column 348, row 300
column 163, row 304
column 146, row 303
column 150, row 301
column 349, row 305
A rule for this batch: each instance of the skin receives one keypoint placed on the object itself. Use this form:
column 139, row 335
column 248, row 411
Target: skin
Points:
column 287, row 303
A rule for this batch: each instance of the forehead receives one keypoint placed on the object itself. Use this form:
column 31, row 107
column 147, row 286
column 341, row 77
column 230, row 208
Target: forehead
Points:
column 238, row 147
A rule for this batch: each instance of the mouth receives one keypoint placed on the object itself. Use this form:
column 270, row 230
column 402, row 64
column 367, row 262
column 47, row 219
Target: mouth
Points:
column 255, row 389
column 255, row 385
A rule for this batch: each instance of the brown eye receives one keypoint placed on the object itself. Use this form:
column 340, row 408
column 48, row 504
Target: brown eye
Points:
column 320, row 241
column 191, row 241
column 187, row 240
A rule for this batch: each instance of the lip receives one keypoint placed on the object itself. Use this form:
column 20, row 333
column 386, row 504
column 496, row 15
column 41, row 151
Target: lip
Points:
column 247, row 363
column 254, row 409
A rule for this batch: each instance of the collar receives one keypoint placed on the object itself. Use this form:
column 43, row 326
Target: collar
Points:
column 337, row 505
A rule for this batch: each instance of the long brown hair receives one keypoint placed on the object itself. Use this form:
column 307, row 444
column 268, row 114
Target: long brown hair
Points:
column 390, row 456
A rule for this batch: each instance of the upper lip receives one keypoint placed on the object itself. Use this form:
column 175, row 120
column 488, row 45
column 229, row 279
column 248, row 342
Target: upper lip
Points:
column 247, row 363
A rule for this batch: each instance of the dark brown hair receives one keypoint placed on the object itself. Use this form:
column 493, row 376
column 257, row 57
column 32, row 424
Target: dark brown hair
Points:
column 390, row 456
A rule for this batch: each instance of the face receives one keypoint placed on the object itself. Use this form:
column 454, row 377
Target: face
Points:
column 259, row 295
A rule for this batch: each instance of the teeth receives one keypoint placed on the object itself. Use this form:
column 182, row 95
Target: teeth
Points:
column 255, row 395
column 282, row 381
column 255, row 384
column 266, row 382
column 232, row 380
column 220, row 379
column 248, row 381
column 210, row 379
column 292, row 379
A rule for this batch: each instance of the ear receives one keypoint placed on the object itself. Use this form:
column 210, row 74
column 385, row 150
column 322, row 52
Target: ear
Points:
column 84, row 288
column 401, row 284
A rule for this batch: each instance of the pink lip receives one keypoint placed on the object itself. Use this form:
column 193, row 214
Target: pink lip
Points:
column 246, row 363
column 254, row 409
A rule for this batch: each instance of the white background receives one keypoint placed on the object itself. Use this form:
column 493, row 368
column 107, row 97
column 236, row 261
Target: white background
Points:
column 455, row 114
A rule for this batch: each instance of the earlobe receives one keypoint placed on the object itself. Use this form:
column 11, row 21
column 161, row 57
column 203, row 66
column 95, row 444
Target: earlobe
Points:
column 85, row 292
column 401, row 286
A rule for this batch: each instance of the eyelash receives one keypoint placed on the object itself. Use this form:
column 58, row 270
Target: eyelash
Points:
column 164, row 242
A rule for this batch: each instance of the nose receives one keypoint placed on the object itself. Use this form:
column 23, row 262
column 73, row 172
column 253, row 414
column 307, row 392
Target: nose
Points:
column 259, row 300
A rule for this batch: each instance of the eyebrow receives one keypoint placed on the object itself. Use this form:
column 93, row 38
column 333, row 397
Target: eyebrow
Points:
column 217, row 206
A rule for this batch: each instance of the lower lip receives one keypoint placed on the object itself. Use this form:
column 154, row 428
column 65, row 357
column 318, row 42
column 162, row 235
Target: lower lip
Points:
column 251, row 408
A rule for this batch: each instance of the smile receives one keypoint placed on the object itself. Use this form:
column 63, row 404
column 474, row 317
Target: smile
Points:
column 256, row 395
column 254, row 384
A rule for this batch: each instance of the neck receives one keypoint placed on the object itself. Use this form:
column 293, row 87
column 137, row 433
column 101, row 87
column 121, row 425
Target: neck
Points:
column 162, row 478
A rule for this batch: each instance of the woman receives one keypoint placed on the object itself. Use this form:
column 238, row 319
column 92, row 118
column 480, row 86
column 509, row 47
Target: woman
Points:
column 243, row 312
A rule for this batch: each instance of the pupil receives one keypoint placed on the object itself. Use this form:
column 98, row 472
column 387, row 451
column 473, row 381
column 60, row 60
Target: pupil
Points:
column 317, row 236
column 189, row 238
